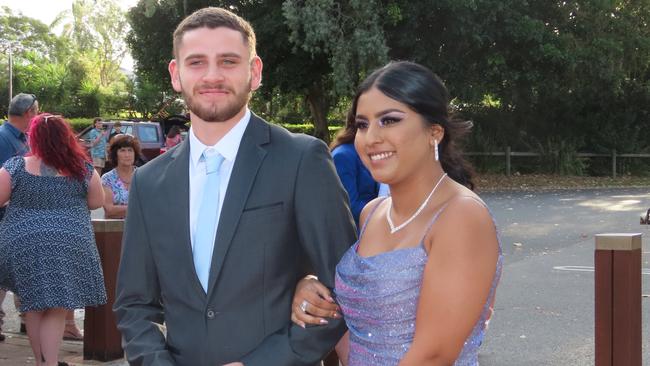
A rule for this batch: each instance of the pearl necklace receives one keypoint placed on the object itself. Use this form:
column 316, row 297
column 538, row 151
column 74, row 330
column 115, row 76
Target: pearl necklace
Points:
column 394, row 229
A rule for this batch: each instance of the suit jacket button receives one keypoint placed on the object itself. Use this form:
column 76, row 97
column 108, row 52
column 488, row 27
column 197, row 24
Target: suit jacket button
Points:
column 210, row 314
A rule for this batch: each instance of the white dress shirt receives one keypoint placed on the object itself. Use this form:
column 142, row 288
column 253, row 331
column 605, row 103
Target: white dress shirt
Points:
column 227, row 147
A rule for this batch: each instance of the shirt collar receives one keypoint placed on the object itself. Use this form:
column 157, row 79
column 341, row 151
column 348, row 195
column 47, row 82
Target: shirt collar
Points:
column 227, row 146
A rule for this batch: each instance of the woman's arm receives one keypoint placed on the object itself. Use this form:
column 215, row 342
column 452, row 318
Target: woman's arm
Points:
column 95, row 192
column 112, row 211
column 320, row 304
column 457, row 279
column 312, row 303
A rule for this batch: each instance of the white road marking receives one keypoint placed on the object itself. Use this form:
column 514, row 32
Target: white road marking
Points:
column 645, row 271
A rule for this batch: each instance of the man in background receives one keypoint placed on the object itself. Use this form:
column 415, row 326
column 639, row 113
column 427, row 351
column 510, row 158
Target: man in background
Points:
column 98, row 139
column 13, row 142
column 117, row 129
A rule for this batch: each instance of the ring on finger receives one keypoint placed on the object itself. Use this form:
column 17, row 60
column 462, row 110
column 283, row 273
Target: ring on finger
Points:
column 303, row 306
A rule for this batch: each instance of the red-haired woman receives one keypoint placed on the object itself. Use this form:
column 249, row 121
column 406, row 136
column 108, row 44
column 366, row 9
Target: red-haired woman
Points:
column 47, row 250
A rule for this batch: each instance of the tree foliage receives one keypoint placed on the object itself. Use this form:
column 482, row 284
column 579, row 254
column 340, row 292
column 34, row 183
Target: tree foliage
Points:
column 535, row 75
column 98, row 31
column 76, row 73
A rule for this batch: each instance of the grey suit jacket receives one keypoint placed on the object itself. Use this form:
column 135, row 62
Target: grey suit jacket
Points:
column 285, row 213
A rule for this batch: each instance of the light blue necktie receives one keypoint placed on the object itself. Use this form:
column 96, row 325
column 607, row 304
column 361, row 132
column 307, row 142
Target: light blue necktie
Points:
column 204, row 235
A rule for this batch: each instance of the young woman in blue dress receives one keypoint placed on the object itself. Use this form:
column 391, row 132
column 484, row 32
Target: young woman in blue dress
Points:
column 418, row 286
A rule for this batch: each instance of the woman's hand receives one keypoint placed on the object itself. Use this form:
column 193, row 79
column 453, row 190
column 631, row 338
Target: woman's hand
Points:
column 312, row 303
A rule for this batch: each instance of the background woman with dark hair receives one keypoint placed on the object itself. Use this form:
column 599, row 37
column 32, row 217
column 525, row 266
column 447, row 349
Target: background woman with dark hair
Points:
column 418, row 286
column 356, row 179
column 48, row 255
column 123, row 152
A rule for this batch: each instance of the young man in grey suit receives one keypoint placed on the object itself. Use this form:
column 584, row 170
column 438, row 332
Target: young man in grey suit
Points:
column 220, row 228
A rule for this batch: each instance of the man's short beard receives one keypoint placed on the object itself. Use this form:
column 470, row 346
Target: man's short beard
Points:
column 215, row 113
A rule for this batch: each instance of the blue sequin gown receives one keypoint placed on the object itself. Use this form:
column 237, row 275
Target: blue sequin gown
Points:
column 378, row 296
column 48, row 255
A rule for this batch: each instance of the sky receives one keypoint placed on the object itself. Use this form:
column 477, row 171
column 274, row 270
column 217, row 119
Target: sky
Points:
column 47, row 10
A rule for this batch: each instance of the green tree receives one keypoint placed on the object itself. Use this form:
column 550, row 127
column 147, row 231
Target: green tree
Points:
column 98, row 30
column 535, row 73
column 29, row 41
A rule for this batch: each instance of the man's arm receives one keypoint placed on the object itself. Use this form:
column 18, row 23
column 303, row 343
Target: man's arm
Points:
column 326, row 230
column 138, row 308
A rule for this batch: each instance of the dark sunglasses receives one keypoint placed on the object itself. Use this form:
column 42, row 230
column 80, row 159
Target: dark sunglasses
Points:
column 33, row 101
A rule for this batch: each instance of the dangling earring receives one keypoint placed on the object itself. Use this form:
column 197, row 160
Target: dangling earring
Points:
column 435, row 147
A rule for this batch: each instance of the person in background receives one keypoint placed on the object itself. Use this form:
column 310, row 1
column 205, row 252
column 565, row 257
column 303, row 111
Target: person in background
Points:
column 98, row 139
column 419, row 285
column 356, row 178
column 13, row 142
column 123, row 152
column 173, row 137
column 117, row 129
column 48, row 254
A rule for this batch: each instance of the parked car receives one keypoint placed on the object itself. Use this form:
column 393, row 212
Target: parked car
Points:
column 149, row 134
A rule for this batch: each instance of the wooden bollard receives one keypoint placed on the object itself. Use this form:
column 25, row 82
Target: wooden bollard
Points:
column 102, row 340
column 617, row 263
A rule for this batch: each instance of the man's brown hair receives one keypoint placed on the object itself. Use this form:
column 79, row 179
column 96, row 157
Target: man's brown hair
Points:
column 212, row 17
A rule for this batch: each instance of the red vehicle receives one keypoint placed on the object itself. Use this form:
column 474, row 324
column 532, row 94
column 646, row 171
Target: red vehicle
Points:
column 151, row 135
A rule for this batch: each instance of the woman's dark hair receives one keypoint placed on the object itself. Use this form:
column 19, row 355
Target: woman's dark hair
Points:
column 52, row 140
column 346, row 134
column 173, row 131
column 425, row 93
column 123, row 140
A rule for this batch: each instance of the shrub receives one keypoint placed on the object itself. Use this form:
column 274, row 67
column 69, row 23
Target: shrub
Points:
column 78, row 124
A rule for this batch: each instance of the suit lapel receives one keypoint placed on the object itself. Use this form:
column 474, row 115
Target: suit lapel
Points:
column 248, row 161
column 178, row 193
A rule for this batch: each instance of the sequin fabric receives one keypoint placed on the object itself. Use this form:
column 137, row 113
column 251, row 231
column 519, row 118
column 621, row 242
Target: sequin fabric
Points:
column 378, row 296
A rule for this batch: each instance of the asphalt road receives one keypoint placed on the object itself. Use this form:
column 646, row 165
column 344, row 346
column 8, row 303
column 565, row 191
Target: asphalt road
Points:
column 544, row 313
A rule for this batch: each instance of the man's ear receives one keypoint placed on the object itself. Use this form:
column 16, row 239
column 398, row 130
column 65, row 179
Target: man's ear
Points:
column 256, row 73
column 175, row 75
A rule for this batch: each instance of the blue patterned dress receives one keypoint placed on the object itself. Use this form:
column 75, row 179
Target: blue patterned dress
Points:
column 48, row 255
column 379, row 295
column 120, row 191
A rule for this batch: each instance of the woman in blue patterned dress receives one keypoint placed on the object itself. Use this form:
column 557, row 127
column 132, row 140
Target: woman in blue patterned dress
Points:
column 124, row 151
column 418, row 286
column 48, row 255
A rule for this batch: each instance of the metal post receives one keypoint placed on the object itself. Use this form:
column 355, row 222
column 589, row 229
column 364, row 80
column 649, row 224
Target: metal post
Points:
column 11, row 74
column 617, row 261
column 508, row 161
column 614, row 163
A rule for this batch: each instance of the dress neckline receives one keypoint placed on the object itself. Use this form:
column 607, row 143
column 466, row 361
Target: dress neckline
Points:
column 420, row 244
column 402, row 249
